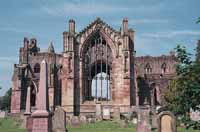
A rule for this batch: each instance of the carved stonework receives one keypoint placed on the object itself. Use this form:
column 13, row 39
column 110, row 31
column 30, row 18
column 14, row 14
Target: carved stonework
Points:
column 97, row 65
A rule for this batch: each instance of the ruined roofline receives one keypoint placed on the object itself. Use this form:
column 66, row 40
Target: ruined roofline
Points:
column 47, row 53
column 155, row 57
column 99, row 21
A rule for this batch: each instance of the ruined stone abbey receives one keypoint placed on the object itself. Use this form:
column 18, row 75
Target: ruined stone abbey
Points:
column 97, row 66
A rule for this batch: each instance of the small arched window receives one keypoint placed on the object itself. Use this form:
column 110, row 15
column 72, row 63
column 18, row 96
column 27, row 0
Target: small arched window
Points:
column 148, row 68
column 37, row 68
column 164, row 68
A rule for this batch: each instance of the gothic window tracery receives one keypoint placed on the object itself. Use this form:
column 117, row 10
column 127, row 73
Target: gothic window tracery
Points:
column 164, row 68
column 97, row 59
column 148, row 68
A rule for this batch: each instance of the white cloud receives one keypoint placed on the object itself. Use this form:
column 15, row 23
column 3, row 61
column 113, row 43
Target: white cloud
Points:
column 171, row 34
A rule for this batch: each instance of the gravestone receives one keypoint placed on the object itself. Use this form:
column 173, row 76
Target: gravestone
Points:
column 106, row 113
column 116, row 113
column 59, row 120
column 123, row 123
column 68, row 120
column 98, row 111
column 130, row 113
column 91, row 120
column 194, row 115
column 41, row 117
column 3, row 114
column 143, row 124
column 134, row 120
column 75, row 121
column 154, row 121
column 166, row 122
column 83, row 119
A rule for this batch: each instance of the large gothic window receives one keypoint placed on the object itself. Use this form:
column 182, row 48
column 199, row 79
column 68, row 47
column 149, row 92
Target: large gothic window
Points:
column 97, row 60
column 148, row 68
column 37, row 68
column 164, row 68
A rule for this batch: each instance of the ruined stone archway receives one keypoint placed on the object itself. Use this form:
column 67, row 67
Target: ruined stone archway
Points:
column 97, row 59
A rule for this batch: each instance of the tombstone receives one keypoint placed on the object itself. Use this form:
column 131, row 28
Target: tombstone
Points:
column 123, row 123
column 41, row 117
column 91, row 120
column 116, row 113
column 166, row 122
column 134, row 120
column 134, row 117
column 130, row 113
column 68, row 121
column 143, row 124
column 194, row 115
column 27, row 120
column 75, row 121
column 154, row 121
column 3, row 114
column 106, row 113
column 59, row 120
column 83, row 119
column 98, row 111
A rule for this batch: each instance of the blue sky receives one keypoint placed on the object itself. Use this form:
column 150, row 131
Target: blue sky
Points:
column 159, row 24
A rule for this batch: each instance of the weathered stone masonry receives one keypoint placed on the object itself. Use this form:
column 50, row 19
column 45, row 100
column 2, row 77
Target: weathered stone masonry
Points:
column 98, row 48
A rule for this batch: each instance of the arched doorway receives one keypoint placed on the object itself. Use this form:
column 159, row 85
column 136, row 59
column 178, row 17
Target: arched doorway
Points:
column 155, row 96
column 97, row 63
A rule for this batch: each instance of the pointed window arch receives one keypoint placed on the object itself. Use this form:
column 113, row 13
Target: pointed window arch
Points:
column 37, row 68
column 164, row 68
column 148, row 68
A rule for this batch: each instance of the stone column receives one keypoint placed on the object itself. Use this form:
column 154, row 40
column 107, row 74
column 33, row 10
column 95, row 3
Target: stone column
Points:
column 27, row 114
column 16, row 96
column 152, row 98
column 28, row 101
column 81, row 81
column 136, row 88
column 41, row 117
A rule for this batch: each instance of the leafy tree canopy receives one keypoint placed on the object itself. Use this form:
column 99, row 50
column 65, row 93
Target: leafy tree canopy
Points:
column 198, row 20
column 184, row 91
column 5, row 100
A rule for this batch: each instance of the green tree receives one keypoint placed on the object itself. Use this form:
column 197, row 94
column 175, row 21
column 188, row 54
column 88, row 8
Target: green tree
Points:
column 5, row 100
column 184, row 91
column 198, row 20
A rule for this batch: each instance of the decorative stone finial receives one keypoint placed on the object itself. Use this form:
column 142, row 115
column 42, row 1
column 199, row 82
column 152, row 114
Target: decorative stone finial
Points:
column 125, row 26
column 71, row 26
column 51, row 48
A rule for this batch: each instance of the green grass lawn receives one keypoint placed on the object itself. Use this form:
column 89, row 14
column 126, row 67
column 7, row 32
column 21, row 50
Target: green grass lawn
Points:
column 184, row 130
column 103, row 126
column 11, row 125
